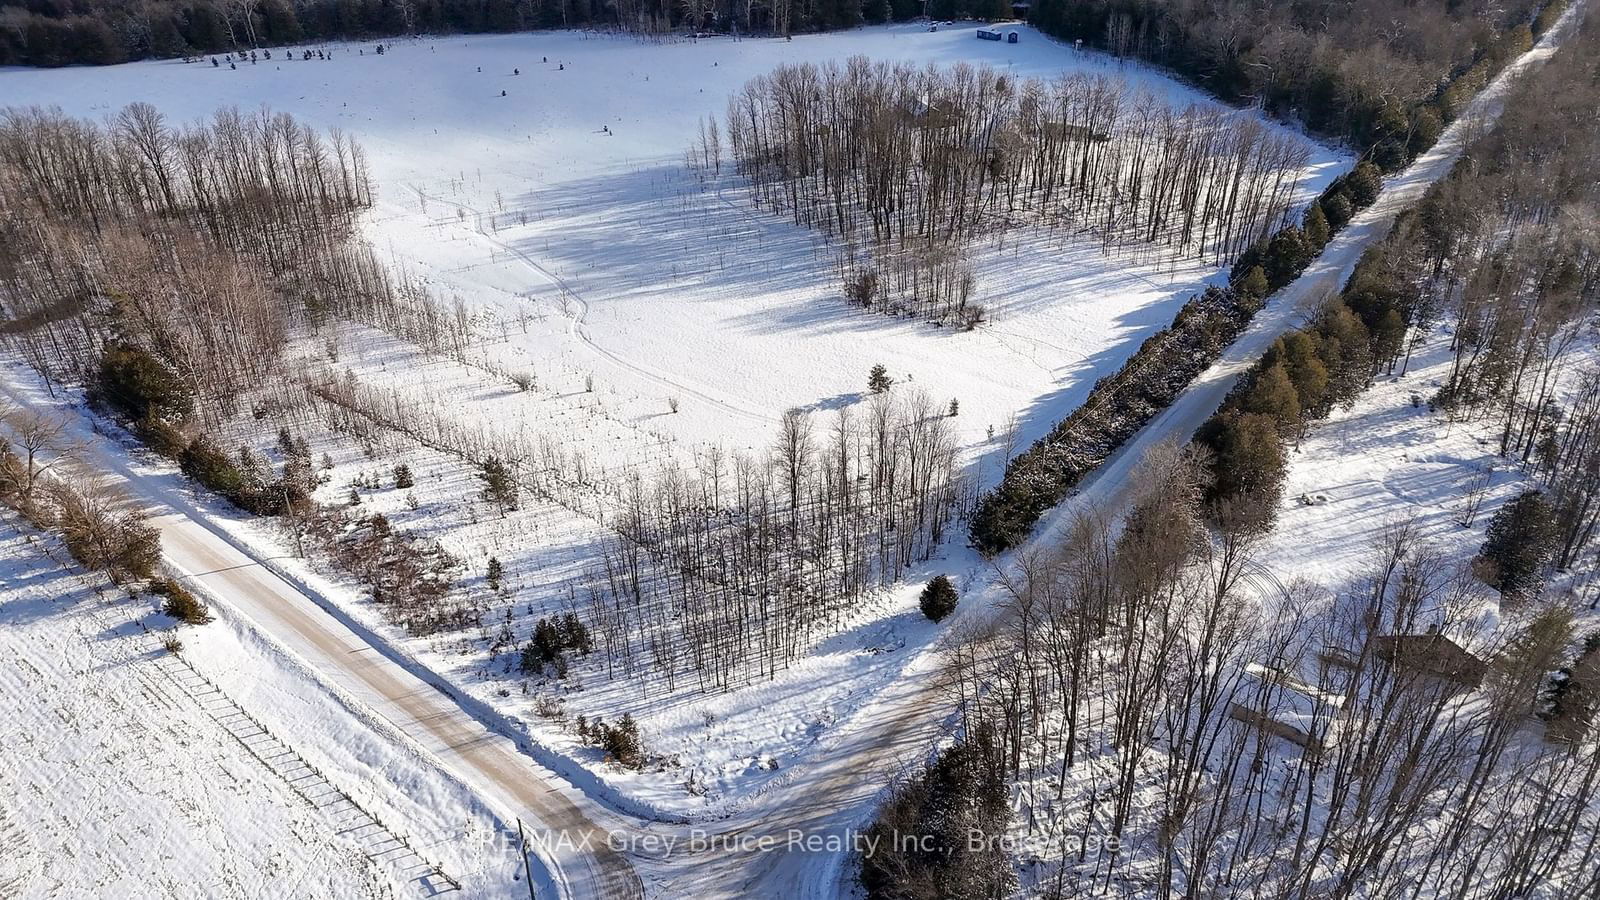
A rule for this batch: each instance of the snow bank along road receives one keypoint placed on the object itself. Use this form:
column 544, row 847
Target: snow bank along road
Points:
column 607, row 854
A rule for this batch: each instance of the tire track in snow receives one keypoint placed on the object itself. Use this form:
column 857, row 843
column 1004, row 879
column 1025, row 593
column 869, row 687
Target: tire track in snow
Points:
column 575, row 324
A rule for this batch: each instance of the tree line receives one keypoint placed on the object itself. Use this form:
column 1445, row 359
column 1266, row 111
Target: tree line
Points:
column 728, row 576
column 101, row 32
column 167, row 270
column 1381, row 77
column 1117, row 406
column 202, row 244
column 1501, row 247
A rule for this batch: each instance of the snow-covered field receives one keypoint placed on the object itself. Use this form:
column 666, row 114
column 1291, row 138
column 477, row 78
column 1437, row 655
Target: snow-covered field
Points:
column 564, row 219
column 130, row 772
column 602, row 255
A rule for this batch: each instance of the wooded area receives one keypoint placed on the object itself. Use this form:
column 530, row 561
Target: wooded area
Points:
column 720, row 573
column 1117, row 406
column 733, row 574
column 905, row 167
column 199, row 244
column 99, row 32
column 1145, row 691
column 1153, row 682
column 1504, row 249
column 167, row 269
column 1369, row 72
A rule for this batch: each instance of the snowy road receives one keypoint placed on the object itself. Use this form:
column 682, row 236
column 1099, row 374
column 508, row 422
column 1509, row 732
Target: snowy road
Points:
column 754, row 854
column 515, row 785
column 488, row 761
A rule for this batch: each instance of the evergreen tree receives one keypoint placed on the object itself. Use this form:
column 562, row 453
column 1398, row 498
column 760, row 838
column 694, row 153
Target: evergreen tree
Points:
column 939, row 598
column 1337, row 209
column 253, row 470
column 1248, row 460
column 575, row 635
column 499, row 485
column 1287, row 254
column 1346, row 351
column 1363, row 184
column 402, row 477
column 1272, row 394
column 1521, row 541
column 133, row 383
column 878, row 380
column 962, row 796
column 495, row 573
column 1316, row 227
column 1388, row 337
column 214, row 469
column 1254, row 283
column 543, row 649
column 1298, row 353
column 621, row 741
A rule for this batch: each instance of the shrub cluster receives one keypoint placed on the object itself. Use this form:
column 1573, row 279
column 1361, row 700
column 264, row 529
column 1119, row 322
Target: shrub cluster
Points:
column 137, row 386
column 98, row 525
column 102, row 532
column 962, row 795
column 621, row 741
column 410, row 577
column 551, row 639
column 243, row 478
column 180, row 603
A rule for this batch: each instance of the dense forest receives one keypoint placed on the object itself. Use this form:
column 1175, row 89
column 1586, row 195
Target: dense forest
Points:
column 1503, row 249
column 1368, row 71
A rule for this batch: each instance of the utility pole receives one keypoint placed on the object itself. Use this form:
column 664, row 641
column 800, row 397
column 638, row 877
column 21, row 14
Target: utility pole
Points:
column 527, row 867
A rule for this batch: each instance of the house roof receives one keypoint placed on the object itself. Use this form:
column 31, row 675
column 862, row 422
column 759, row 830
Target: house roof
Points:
column 1433, row 654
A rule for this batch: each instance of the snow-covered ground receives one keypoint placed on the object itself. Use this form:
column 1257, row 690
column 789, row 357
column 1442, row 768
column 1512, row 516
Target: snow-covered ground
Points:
column 1391, row 458
column 603, row 255
column 564, row 219
column 131, row 772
